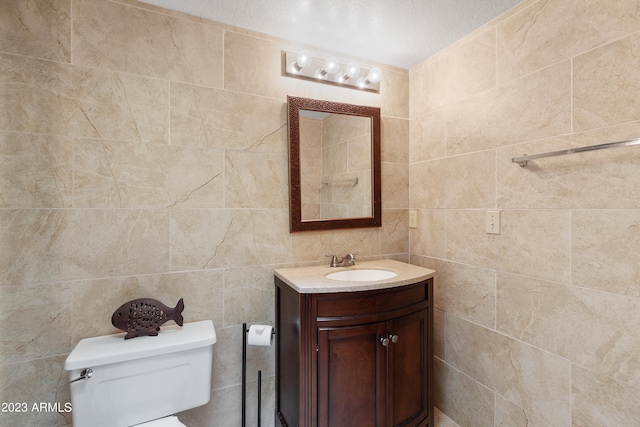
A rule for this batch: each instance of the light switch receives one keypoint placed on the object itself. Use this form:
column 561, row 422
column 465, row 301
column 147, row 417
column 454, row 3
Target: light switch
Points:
column 413, row 219
column 493, row 222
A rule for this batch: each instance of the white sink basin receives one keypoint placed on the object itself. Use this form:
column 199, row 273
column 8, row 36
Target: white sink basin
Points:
column 362, row 275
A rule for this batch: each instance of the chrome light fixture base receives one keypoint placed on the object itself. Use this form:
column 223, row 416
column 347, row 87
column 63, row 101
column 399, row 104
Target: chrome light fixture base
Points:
column 319, row 71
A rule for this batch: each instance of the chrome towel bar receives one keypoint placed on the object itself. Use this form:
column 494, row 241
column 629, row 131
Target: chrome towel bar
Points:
column 523, row 160
column 353, row 181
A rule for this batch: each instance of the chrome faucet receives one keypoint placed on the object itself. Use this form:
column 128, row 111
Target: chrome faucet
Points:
column 347, row 261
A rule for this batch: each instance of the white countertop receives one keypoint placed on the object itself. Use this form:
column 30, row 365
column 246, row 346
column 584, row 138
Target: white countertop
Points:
column 312, row 280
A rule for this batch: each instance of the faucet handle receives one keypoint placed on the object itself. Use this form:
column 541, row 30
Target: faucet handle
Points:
column 350, row 258
column 334, row 260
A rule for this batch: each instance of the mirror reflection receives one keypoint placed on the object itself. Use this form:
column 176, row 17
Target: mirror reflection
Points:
column 334, row 160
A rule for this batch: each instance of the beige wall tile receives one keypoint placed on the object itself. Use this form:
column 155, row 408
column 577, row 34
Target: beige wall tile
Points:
column 227, row 371
column 395, row 187
column 310, row 133
column 465, row 291
column 454, row 182
column 314, row 245
column 428, row 137
column 249, row 295
column 34, row 322
column 439, row 322
column 310, row 165
column 47, row 244
column 429, row 88
column 207, row 117
column 535, row 106
column 606, row 251
column 601, row 400
column 531, row 378
column 598, row 180
column 225, row 407
column 471, row 67
column 339, row 128
column 463, row 399
column 517, row 248
column 247, row 59
column 97, row 300
column 204, row 239
column 265, row 187
column 123, row 38
column 113, row 174
column 41, row 380
column 510, row 415
column 606, row 84
column 441, row 420
column 428, row 239
column 394, row 234
column 592, row 328
column 39, row 28
column 541, row 35
column 394, row 140
column 37, row 171
column 335, row 159
column 394, row 93
column 360, row 153
column 67, row 100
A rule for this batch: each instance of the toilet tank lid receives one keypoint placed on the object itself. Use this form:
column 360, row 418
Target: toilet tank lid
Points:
column 104, row 350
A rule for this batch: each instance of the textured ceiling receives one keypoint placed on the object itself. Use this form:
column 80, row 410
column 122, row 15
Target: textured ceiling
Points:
column 394, row 32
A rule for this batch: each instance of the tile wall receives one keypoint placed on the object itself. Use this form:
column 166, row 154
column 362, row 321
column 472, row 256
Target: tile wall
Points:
column 346, row 167
column 335, row 161
column 537, row 326
column 144, row 154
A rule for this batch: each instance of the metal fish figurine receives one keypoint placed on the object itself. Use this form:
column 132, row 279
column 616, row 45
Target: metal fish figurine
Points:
column 144, row 316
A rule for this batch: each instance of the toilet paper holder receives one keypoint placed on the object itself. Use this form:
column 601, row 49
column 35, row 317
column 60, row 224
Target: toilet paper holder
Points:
column 245, row 331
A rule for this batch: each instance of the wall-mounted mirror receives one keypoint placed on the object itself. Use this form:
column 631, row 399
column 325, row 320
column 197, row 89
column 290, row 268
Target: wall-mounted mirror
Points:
column 334, row 165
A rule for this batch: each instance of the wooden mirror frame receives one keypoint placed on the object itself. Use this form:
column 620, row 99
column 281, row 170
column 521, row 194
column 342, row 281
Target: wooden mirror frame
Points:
column 294, row 105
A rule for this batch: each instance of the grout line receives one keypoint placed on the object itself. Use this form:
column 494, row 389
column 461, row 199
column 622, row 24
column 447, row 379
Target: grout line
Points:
column 571, row 124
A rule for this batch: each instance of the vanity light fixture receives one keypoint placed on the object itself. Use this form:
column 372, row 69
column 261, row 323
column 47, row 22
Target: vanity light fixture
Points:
column 303, row 59
column 374, row 76
column 330, row 66
column 303, row 65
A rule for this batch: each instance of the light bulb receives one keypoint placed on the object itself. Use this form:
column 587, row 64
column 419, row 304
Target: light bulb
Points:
column 304, row 58
column 374, row 76
column 353, row 69
column 362, row 82
column 331, row 65
column 341, row 77
column 320, row 73
column 293, row 68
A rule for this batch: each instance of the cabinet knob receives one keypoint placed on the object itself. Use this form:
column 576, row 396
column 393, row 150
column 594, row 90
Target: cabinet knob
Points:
column 393, row 338
column 384, row 341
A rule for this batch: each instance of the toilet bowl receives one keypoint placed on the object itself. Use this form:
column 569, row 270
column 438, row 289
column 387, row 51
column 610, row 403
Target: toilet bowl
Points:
column 142, row 381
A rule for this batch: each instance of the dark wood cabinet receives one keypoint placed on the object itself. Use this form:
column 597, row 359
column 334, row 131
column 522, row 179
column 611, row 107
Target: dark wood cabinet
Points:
column 354, row 358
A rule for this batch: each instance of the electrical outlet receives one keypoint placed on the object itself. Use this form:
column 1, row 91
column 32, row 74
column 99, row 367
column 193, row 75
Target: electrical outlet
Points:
column 493, row 222
column 413, row 219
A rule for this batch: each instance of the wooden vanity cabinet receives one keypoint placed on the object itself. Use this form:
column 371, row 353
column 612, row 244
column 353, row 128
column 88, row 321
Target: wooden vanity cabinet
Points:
column 350, row 359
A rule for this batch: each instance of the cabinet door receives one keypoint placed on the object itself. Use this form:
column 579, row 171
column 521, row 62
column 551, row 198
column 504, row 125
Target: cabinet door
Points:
column 351, row 376
column 408, row 370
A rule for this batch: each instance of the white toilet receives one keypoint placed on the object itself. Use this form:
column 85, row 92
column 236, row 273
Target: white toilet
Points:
column 141, row 381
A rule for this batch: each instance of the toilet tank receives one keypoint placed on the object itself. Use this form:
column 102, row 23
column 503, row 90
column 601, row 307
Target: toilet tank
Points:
column 141, row 379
